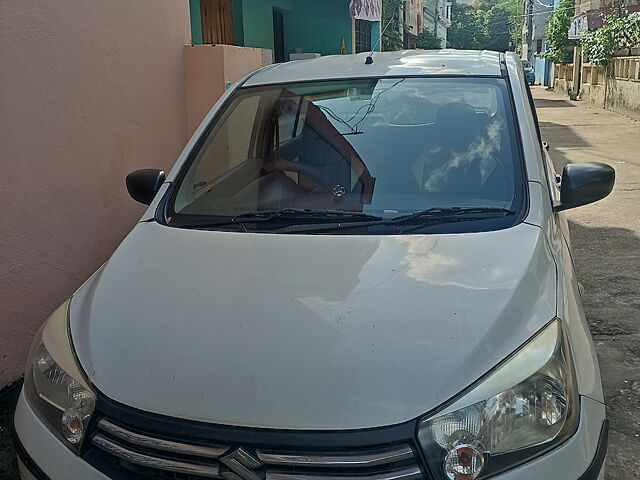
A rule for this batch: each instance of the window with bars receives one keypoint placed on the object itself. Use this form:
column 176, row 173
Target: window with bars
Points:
column 363, row 36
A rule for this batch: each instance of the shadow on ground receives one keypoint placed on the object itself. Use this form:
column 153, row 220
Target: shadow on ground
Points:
column 607, row 264
column 559, row 135
column 8, row 399
column 564, row 137
column 555, row 103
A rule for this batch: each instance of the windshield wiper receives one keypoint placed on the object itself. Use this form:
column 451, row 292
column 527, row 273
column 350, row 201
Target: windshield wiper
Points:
column 451, row 212
column 297, row 214
column 427, row 217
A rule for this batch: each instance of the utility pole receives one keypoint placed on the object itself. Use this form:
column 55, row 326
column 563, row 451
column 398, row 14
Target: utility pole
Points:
column 527, row 29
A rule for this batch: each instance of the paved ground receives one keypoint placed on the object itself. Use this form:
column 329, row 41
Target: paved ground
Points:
column 606, row 244
column 606, row 241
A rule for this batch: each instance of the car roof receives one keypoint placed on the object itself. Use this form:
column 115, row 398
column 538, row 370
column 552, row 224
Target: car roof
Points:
column 400, row 63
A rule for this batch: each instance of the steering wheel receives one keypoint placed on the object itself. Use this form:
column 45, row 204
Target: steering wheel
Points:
column 305, row 180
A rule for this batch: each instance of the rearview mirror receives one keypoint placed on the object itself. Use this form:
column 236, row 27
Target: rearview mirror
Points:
column 143, row 184
column 584, row 183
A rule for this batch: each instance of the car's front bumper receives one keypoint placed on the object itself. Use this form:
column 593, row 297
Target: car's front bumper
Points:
column 42, row 456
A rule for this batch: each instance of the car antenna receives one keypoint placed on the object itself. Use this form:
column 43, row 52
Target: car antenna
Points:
column 369, row 59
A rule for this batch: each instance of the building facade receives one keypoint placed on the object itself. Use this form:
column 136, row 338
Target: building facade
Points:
column 288, row 27
column 413, row 19
column 543, row 68
column 437, row 18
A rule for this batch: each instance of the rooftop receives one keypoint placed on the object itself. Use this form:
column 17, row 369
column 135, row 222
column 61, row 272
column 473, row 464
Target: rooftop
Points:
column 401, row 63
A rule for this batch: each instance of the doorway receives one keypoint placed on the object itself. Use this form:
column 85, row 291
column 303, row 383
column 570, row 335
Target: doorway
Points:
column 278, row 36
column 217, row 21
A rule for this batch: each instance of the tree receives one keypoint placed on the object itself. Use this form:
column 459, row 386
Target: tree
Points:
column 467, row 29
column 557, row 33
column 391, row 23
column 498, row 29
column 428, row 40
column 514, row 10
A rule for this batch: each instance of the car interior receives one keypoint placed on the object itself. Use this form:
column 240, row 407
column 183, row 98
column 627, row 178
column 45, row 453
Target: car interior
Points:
column 302, row 154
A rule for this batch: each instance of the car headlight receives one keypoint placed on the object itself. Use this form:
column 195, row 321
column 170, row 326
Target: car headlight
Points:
column 54, row 385
column 526, row 406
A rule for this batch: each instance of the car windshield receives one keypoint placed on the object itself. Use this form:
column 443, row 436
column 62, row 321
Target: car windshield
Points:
column 379, row 148
column 526, row 64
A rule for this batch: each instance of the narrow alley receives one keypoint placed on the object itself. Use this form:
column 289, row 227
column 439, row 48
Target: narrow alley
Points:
column 606, row 246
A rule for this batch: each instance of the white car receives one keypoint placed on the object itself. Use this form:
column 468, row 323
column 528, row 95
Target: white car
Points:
column 358, row 269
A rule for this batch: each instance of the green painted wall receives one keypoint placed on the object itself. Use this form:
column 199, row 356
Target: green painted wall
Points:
column 376, row 41
column 318, row 27
column 257, row 21
column 196, row 22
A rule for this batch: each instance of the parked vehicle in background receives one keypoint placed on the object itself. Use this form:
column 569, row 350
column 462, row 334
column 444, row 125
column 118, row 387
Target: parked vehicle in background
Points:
column 359, row 268
column 529, row 72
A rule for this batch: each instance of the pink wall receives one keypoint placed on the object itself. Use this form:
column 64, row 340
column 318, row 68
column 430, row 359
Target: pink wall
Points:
column 89, row 90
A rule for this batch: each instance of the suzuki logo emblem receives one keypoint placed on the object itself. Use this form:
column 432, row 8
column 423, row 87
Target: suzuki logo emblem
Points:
column 242, row 466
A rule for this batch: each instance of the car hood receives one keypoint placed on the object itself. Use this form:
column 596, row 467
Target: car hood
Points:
column 307, row 331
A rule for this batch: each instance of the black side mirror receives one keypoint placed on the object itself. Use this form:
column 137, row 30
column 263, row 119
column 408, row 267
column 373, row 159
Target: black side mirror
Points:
column 584, row 183
column 144, row 184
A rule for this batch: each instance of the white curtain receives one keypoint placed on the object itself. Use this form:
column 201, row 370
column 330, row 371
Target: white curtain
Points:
column 366, row 10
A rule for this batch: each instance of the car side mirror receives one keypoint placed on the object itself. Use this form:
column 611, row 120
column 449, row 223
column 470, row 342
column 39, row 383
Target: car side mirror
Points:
column 584, row 183
column 143, row 184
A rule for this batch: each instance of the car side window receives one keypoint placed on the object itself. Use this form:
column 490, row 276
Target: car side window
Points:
column 226, row 149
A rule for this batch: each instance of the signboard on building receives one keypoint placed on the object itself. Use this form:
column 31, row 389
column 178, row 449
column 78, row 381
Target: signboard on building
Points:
column 366, row 10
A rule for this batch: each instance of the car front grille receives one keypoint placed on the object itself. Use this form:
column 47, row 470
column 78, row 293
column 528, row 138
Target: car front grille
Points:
column 123, row 451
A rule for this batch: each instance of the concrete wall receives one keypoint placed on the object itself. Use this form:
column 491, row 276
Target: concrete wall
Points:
column 592, row 94
column 562, row 85
column 623, row 96
column 90, row 90
column 600, row 89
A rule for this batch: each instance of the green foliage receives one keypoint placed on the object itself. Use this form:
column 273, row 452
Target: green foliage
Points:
column 619, row 33
column 498, row 32
column 514, row 10
column 599, row 45
column 486, row 24
column 557, row 32
column 391, row 38
column 428, row 41
column 467, row 29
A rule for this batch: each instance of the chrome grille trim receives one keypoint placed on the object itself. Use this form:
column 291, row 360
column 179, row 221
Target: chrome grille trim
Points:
column 411, row 473
column 116, row 449
column 160, row 444
column 207, row 471
column 349, row 459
